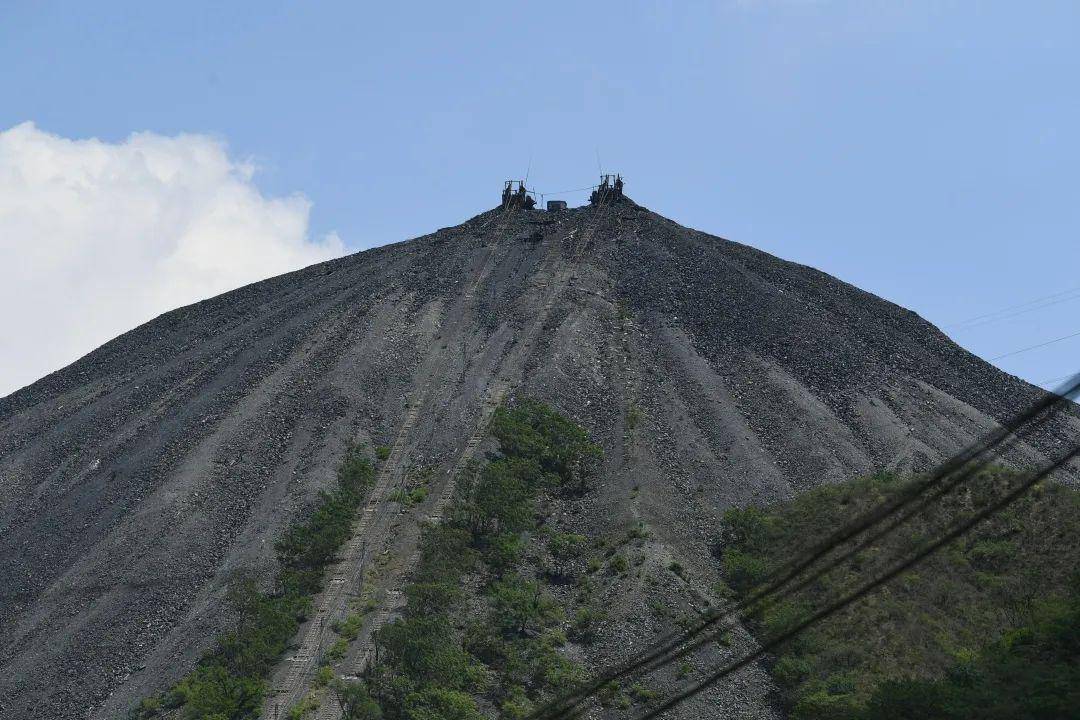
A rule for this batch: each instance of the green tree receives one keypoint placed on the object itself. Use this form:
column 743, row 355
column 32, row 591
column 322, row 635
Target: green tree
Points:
column 211, row 690
column 1032, row 673
column 497, row 500
column 520, row 605
column 426, row 650
column 355, row 702
column 445, row 554
column 437, row 703
column 432, row 598
column 504, row 552
column 533, row 431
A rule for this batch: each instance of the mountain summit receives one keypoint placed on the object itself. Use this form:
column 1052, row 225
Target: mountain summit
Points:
column 138, row 483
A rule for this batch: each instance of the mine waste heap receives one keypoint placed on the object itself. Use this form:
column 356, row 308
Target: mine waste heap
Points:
column 147, row 481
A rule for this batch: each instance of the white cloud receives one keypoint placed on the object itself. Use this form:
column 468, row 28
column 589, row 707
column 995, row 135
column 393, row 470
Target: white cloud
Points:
column 98, row 237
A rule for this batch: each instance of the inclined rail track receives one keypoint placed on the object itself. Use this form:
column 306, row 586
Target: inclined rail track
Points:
column 496, row 393
column 347, row 573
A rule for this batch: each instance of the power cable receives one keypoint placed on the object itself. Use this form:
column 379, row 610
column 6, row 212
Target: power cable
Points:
column 566, row 192
column 1017, row 306
column 770, row 601
column 958, row 531
column 770, row 596
column 717, row 633
column 1035, row 347
column 778, row 579
column 1009, row 316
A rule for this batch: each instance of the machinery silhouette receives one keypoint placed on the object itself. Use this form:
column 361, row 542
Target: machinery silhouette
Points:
column 514, row 195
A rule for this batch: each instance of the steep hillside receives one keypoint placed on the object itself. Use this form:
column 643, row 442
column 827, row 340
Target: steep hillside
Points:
column 138, row 483
column 929, row 628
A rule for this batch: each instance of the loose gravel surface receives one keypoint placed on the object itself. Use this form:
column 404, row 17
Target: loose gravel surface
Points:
column 138, row 482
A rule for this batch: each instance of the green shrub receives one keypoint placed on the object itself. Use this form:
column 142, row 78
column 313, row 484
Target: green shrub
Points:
column 905, row 651
column 643, row 694
column 516, row 705
column 324, row 676
column 822, row 705
column 147, row 708
column 432, row 598
column 305, row 707
column 213, row 690
column 497, row 499
column 535, row 433
column 382, row 452
column 229, row 682
column 611, row 695
column 519, row 605
column 434, row 655
column 355, row 702
column 337, row 650
column 351, row 627
column 555, row 672
column 791, row 670
column 1031, row 672
column 583, row 626
column 743, row 570
column 618, row 564
column 425, row 649
column 504, row 552
column 436, row 703
column 409, row 497
column 445, row 554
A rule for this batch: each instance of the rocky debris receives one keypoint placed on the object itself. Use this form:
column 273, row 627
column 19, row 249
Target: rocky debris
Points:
column 138, row 482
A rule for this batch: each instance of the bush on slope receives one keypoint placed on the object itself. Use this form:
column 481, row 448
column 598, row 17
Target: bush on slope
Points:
column 947, row 612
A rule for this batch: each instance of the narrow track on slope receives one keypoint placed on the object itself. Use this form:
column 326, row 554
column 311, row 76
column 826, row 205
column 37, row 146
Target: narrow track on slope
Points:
column 268, row 390
column 297, row 673
column 508, row 377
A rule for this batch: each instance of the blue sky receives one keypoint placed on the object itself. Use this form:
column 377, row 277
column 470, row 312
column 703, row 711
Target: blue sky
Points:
column 925, row 151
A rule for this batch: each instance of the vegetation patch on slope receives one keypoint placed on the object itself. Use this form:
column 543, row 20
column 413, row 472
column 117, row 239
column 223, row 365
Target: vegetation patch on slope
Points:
column 229, row 681
column 987, row 628
column 476, row 625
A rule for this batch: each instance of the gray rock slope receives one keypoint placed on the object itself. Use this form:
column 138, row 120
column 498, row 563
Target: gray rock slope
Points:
column 136, row 482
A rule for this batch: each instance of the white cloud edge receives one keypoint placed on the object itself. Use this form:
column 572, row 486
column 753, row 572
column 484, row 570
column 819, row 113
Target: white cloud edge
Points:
column 98, row 237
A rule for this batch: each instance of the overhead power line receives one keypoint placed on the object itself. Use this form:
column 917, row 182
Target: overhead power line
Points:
column 565, row 192
column 1035, row 347
column 1009, row 316
column 776, row 585
column 958, row 531
column 1054, row 297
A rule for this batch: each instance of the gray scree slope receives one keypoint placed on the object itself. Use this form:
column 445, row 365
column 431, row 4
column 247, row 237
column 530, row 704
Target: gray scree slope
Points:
column 136, row 483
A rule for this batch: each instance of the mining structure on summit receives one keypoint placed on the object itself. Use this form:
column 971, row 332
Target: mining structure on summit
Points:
column 515, row 195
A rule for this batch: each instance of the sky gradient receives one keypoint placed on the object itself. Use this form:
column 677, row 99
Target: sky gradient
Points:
column 924, row 151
